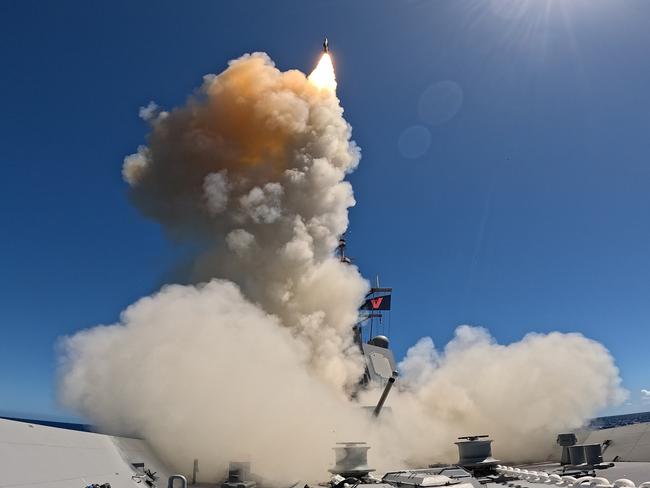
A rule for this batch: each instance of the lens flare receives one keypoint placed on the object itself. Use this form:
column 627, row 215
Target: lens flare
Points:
column 323, row 75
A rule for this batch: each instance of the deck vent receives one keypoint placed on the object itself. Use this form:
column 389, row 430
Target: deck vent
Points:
column 566, row 440
column 593, row 454
column 239, row 476
column 577, row 455
column 351, row 459
column 475, row 451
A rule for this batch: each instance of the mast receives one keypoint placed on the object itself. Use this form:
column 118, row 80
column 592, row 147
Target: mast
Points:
column 374, row 314
column 371, row 331
column 340, row 251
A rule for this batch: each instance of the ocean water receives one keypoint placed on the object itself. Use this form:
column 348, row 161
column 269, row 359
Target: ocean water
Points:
column 596, row 424
column 619, row 420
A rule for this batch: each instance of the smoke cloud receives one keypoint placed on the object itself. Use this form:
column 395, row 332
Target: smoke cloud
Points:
column 203, row 373
column 522, row 394
column 256, row 360
column 252, row 167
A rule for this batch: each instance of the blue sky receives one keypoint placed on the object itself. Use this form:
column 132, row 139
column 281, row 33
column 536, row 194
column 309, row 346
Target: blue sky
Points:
column 503, row 182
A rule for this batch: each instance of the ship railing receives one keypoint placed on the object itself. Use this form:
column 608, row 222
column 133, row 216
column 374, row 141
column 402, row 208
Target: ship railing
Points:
column 542, row 477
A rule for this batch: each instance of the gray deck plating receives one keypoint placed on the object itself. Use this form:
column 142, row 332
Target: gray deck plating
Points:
column 48, row 457
column 628, row 443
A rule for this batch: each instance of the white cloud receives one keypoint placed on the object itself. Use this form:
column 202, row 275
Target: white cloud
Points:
column 645, row 396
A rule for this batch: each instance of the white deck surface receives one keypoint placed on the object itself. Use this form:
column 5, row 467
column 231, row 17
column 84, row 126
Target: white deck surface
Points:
column 629, row 443
column 47, row 457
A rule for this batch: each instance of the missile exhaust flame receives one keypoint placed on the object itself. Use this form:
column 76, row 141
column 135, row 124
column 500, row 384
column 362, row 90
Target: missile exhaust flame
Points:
column 323, row 75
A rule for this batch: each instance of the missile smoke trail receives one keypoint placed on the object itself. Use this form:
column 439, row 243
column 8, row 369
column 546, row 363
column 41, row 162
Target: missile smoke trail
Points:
column 254, row 168
column 257, row 358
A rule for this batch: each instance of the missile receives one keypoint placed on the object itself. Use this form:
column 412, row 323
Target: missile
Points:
column 326, row 46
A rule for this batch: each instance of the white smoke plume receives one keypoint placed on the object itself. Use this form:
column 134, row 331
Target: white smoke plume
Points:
column 203, row 373
column 257, row 359
column 522, row 394
column 253, row 167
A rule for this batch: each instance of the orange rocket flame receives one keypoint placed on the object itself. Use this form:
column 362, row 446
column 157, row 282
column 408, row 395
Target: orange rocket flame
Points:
column 323, row 75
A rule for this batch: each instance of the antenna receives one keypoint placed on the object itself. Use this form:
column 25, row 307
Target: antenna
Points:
column 340, row 251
